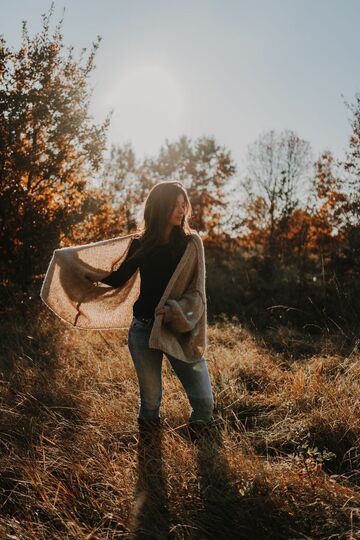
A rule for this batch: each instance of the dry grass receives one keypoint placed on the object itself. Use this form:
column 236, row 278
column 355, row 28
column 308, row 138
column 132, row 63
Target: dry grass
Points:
column 286, row 464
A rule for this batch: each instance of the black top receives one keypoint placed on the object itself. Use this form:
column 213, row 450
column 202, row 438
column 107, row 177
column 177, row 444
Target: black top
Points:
column 156, row 268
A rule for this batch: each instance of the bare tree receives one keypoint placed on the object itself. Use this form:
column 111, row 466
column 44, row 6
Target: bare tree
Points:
column 277, row 167
column 351, row 163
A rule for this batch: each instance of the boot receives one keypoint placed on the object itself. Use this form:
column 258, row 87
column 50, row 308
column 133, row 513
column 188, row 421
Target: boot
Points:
column 150, row 430
column 149, row 423
column 202, row 432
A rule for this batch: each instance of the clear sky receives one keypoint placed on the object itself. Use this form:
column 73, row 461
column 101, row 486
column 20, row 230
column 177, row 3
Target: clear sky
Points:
column 231, row 69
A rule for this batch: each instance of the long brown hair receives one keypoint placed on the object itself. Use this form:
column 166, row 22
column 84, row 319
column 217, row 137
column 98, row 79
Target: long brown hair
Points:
column 158, row 206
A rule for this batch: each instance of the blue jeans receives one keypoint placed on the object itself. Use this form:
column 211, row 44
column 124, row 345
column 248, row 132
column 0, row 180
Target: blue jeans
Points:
column 148, row 364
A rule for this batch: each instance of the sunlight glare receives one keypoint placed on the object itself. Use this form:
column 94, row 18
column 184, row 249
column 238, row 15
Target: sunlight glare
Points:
column 149, row 105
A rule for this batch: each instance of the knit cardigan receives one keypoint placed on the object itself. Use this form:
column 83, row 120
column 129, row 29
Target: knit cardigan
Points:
column 70, row 290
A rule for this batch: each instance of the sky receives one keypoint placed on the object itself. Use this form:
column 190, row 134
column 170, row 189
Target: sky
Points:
column 223, row 68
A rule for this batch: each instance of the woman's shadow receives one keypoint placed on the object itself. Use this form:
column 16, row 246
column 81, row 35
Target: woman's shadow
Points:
column 221, row 501
column 227, row 512
column 234, row 508
column 224, row 514
column 150, row 516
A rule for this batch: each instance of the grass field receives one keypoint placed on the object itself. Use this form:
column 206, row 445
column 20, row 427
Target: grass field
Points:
column 285, row 463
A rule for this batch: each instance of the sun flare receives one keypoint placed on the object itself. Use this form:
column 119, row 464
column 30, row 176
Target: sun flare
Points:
column 149, row 104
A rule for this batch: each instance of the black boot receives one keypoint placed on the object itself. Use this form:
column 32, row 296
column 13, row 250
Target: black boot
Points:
column 205, row 432
column 149, row 423
column 150, row 430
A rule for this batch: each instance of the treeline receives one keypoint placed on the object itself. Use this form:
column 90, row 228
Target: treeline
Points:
column 282, row 237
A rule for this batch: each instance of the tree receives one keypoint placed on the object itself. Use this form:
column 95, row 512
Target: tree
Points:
column 351, row 164
column 124, row 181
column 49, row 148
column 327, row 205
column 204, row 168
column 277, row 167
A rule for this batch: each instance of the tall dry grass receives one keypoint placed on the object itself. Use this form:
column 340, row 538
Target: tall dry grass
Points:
column 285, row 463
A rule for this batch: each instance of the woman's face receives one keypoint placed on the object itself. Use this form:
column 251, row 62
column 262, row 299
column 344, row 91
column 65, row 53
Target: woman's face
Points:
column 179, row 211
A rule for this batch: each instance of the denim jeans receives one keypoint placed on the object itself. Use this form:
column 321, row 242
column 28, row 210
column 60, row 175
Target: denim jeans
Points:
column 194, row 377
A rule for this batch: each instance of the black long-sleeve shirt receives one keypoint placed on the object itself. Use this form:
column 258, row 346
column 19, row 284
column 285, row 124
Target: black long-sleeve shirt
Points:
column 156, row 268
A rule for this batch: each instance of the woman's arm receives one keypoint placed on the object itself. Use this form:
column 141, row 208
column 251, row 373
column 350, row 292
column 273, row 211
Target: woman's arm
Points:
column 119, row 277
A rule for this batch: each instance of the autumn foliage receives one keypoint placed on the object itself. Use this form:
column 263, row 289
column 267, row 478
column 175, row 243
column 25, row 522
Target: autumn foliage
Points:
column 49, row 150
column 282, row 242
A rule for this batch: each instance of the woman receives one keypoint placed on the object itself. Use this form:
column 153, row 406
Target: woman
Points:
column 156, row 251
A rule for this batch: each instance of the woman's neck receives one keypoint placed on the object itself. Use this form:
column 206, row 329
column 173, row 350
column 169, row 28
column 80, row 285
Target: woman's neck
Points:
column 166, row 235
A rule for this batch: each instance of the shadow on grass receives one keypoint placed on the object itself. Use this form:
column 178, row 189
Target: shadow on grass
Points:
column 232, row 510
column 227, row 511
column 150, row 516
column 39, row 410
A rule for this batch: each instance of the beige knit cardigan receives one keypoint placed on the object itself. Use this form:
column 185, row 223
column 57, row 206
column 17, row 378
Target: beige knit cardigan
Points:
column 69, row 291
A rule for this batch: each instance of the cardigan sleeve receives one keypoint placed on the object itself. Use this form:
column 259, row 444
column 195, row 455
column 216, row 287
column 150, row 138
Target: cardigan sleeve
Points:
column 184, row 313
column 119, row 277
